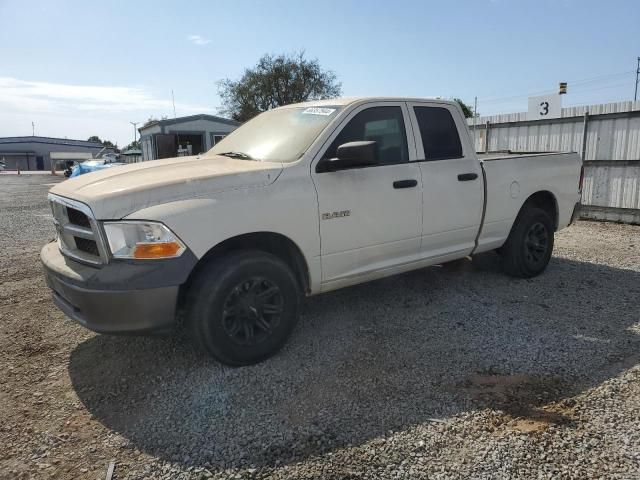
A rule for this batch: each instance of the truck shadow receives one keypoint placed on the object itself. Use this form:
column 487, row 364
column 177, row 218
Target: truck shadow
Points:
column 383, row 356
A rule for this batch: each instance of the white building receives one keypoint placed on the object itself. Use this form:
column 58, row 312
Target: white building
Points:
column 183, row 135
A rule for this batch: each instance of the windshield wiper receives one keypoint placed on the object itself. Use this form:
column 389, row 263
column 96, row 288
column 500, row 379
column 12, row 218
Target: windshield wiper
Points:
column 241, row 155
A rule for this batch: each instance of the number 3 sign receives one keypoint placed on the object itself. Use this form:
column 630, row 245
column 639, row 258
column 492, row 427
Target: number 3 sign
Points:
column 548, row 106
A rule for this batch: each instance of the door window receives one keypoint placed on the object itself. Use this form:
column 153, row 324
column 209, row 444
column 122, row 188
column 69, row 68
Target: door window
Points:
column 384, row 125
column 440, row 138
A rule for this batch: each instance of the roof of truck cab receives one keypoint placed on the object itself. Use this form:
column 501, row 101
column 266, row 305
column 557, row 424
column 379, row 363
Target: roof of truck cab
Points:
column 344, row 101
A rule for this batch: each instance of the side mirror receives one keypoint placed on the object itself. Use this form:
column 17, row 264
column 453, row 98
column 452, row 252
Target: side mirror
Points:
column 354, row 154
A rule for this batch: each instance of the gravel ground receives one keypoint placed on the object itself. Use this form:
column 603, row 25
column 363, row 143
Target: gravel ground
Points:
column 448, row 372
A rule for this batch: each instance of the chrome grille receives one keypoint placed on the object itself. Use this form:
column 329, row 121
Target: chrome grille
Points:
column 79, row 235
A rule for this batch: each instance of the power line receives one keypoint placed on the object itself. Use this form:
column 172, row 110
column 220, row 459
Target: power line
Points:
column 617, row 85
column 593, row 79
column 572, row 84
column 573, row 89
column 608, row 99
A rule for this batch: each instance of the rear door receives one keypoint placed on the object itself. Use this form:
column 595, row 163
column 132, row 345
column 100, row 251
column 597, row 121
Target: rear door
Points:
column 453, row 191
column 370, row 217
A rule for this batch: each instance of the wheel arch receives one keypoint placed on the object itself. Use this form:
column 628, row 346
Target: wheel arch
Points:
column 274, row 243
column 546, row 201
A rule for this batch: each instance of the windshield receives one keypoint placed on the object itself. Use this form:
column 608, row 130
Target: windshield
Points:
column 281, row 135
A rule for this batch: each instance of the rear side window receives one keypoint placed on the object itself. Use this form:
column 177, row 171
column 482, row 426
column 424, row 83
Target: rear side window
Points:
column 384, row 125
column 440, row 139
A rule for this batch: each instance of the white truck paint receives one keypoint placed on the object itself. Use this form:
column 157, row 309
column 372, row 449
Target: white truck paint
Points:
column 350, row 225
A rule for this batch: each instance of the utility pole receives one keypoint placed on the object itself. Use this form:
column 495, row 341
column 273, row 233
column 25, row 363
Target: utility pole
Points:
column 33, row 126
column 475, row 117
column 134, row 130
column 173, row 99
column 635, row 96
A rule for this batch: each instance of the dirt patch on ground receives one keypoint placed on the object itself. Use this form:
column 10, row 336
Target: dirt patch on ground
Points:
column 518, row 398
column 538, row 420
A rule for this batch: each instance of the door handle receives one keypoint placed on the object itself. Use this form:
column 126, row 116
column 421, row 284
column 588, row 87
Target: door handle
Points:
column 465, row 177
column 405, row 183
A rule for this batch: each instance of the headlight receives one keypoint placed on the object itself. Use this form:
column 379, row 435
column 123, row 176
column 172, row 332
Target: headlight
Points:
column 142, row 240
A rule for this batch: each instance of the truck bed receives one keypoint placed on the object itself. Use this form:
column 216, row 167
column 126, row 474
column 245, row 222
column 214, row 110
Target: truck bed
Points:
column 518, row 175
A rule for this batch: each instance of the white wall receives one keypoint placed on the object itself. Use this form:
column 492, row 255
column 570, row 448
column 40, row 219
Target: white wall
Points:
column 612, row 153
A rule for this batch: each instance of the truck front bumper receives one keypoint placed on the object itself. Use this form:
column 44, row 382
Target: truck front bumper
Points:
column 120, row 297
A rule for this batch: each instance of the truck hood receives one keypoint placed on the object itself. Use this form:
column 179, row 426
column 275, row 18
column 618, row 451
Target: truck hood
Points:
column 116, row 192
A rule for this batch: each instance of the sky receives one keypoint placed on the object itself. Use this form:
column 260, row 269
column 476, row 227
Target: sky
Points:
column 77, row 68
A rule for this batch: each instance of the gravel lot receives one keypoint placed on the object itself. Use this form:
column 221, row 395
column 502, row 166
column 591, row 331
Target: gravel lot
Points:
column 448, row 372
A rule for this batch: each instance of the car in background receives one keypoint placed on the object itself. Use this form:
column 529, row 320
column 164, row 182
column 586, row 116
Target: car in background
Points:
column 90, row 166
column 110, row 157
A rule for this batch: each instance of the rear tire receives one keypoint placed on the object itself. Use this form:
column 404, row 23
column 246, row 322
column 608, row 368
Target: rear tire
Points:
column 242, row 307
column 528, row 249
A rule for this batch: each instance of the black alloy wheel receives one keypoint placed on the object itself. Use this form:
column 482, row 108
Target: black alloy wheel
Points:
column 536, row 244
column 242, row 306
column 529, row 247
column 252, row 311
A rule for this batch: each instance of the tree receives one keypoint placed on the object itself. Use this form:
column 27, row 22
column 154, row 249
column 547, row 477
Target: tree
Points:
column 466, row 109
column 105, row 143
column 275, row 81
column 153, row 119
column 133, row 145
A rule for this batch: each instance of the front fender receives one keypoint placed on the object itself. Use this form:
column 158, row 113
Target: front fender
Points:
column 204, row 222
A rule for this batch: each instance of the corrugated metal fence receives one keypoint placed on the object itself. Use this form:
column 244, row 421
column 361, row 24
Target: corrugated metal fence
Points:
column 610, row 148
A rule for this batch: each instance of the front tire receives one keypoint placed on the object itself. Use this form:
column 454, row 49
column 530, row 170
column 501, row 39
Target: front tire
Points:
column 528, row 249
column 242, row 307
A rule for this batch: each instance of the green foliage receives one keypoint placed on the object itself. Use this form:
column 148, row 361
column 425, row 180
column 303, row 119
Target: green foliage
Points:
column 105, row 143
column 275, row 81
column 133, row 145
column 153, row 119
column 466, row 109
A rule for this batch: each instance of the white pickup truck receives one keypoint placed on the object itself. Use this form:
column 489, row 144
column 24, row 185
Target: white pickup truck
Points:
column 300, row 200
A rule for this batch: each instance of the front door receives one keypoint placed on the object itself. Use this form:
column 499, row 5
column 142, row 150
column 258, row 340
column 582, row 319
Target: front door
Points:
column 453, row 190
column 370, row 217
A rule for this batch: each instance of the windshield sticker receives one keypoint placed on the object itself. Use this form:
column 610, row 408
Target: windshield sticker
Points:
column 319, row 111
